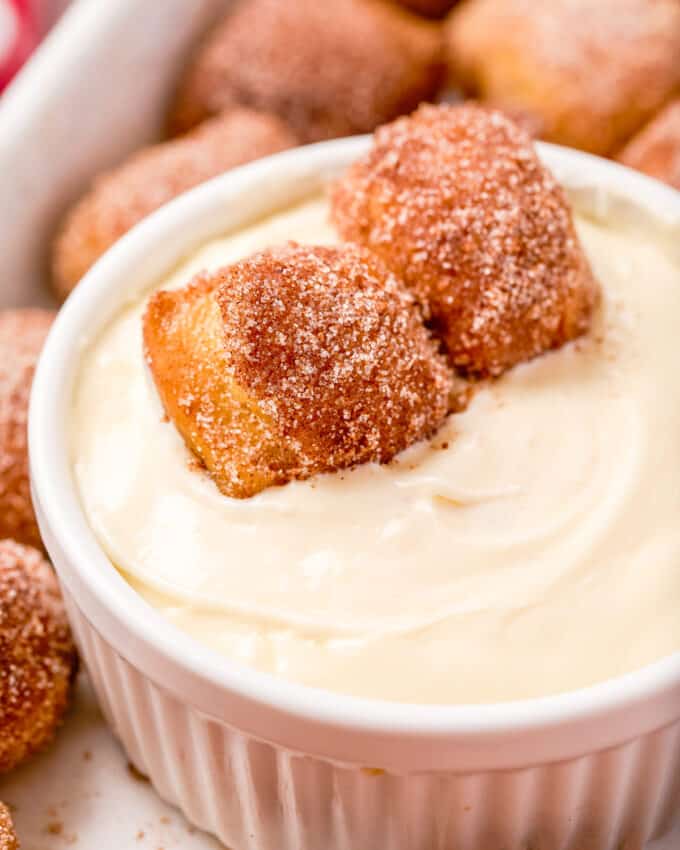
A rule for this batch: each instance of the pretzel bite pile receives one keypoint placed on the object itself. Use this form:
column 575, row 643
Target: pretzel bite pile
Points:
column 593, row 71
column 328, row 69
column 456, row 202
column 22, row 333
column 8, row 838
column 274, row 73
column 38, row 655
column 296, row 361
column 154, row 176
column 656, row 148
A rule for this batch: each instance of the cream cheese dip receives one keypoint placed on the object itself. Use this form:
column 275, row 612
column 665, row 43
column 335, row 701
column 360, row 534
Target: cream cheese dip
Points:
column 532, row 547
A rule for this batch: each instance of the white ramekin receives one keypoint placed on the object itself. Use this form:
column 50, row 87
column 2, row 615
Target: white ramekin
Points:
column 268, row 765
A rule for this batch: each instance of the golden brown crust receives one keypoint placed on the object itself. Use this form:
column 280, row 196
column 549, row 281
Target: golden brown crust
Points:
column 223, row 427
column 22, row 334
column 296, row 361
column 593, row 71
column 8, row 837
column 328, row 69
column 455, row 200
column 153, row 176
column 38, row 656
column 656, row 148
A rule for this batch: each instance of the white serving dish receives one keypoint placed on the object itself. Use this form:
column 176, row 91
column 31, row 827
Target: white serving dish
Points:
column 267, row 764
column 96, row 89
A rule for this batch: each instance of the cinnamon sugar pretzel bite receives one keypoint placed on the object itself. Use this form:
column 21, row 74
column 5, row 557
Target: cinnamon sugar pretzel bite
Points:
column 38, row 656
column 593, row 71
column 656, row 148
column 153, row 176
column 456, row 202
column 22, row 334
column 328, row 69
column 296, row 361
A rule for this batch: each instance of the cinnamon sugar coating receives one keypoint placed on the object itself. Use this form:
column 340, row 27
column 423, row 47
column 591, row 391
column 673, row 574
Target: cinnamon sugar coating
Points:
column 296, row 361
column 656, row 148
column 22, row 334
column 593, row 71
column 328, row 69
column 153, row 176
column 8, row 837
column 455, row 200
column 38, row 656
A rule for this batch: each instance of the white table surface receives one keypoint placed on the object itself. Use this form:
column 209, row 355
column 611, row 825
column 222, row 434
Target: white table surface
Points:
column 80, row 793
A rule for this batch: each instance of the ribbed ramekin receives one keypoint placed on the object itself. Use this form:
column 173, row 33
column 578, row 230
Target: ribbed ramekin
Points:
column 270, row 765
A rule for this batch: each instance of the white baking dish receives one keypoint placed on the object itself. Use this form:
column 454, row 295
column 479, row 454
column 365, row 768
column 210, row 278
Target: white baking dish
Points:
column 267, row 764
column 96, row 89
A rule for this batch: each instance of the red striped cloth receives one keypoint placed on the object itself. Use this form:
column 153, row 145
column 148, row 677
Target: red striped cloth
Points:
column 18, row 36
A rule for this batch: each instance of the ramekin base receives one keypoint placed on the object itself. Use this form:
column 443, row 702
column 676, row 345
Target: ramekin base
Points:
column 255, row 795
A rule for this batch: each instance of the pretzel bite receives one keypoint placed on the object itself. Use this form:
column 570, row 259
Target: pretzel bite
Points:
column 328, row 69
column 456, row 202
column 593, row 71
column 297, row 361
column 656, row 149
column 429, row 8
column 22, row 333
column 8, row 838
column 38, row 656
column 150, row 178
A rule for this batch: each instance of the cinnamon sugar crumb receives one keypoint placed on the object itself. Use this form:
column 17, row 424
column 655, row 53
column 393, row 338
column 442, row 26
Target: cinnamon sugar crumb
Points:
column 136, row 774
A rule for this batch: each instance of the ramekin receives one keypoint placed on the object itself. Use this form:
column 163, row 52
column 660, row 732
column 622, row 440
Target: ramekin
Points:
column 266, row 764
